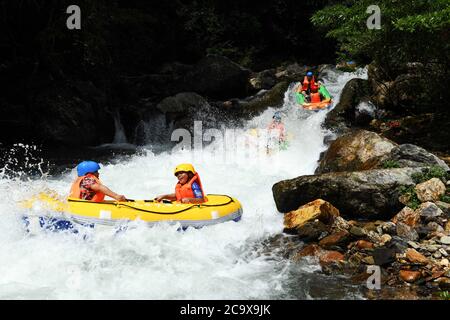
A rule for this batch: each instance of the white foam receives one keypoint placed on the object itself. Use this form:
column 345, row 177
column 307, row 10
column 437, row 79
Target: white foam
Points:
column 215, row 262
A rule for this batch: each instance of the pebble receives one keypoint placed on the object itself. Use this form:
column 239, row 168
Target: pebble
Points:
column 415, row 257
column 368, row 260
column 409, row 276
column 373, row 236
column 435, row 226
column 406, row 232
column 443, row 252
column 437, row 255
column 389, row 228
column 445, row 263
column 413, row 244
column 385, row 238
column 445, row 240
column 380, row 230
column 356, row 231
column 431, row 248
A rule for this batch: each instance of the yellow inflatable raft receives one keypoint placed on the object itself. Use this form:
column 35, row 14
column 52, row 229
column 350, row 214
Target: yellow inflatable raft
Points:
column 218, row 208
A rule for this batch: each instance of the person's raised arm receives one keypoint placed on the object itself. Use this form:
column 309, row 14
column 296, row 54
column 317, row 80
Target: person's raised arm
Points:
column 108, row 192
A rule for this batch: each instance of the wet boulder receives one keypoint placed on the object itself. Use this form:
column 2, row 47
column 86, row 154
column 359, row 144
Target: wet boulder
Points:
column 361, row 194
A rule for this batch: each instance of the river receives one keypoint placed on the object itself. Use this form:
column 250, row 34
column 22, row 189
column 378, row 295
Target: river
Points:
column 225, row 261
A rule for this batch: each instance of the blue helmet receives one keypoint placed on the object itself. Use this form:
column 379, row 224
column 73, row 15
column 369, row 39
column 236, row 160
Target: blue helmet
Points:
column 277, row 115
column 86, row 167
column 309, row 74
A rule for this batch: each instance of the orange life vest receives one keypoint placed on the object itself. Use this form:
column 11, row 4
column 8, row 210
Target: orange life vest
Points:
column 76, row 193
column 279, row 127
column 185, row 190
column 309, row 84
column 315, row 97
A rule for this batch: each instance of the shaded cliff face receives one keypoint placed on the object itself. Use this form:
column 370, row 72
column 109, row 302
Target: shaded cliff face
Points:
column 64, row 86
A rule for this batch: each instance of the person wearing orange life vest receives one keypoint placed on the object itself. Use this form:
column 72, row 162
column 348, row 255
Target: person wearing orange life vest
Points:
column 316, row 96
column 277, row 126
column 189, row 187
column 309, row 84
column 87, row 186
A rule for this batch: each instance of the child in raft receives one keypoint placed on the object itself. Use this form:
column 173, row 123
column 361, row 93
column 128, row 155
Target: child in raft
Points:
column 87, row 185
column 189, row 187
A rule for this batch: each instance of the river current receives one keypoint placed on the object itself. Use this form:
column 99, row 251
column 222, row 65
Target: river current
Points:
column 225, row 261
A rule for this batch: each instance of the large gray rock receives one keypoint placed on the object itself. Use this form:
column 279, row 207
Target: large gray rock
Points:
column 360, row 150
column 362, row 194
column 409, row 155
column 363, row 150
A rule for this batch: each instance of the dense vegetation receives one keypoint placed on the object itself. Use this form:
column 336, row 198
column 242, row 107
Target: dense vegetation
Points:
column 409, row 60
column 411, row 31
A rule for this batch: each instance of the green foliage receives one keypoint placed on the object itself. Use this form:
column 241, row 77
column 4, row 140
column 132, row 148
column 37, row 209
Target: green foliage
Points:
column 433, row 21
column 410, row 193
column 410, row 30
column 444, row 295
column 445, row 198
column 390, row 164
column 429, row 173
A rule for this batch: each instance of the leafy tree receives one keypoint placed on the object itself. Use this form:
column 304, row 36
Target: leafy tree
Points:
column 410, row 31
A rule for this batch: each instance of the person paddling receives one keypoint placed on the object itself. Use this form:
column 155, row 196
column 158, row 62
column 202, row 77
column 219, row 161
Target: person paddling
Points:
column 189, row 187
column 87, row 186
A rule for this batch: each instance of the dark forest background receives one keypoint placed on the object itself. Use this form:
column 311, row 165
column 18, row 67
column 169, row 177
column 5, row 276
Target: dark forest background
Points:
column 61, row 86
column 47, row 69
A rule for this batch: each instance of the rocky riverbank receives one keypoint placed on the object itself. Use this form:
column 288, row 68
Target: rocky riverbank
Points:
column 373, row 202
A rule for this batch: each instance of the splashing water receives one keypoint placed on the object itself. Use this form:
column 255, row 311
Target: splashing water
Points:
column 225, row 261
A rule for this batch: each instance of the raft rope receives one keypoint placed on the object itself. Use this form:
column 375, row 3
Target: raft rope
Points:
column 230, row 200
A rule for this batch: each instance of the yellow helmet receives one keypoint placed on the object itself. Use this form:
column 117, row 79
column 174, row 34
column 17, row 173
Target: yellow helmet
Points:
column 187, row 167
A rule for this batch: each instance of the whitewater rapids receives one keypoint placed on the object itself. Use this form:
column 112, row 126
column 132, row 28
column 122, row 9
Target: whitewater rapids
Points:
column 224, row 261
